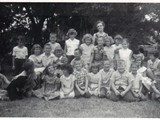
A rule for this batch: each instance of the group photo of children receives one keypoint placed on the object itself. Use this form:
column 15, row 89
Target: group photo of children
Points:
column 98, row 65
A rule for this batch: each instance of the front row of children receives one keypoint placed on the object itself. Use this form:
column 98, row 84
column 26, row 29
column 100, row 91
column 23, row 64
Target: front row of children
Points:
column 65, row 82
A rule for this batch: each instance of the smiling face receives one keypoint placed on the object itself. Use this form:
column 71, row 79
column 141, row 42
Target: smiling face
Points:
column 100, row 41
column 47, row 49
column 106, row 66
column 121, row 66
column 78, row 65
column 108, row 43
column 95, row 69
column 51, row 70
column 134, row 68
column 37, row 51
column 124, row 44
column 53, row 38
column 100, row 27
column 88, row 41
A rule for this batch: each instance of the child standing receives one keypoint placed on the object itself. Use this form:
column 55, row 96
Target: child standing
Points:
column 49, row 89
column 125, row 54
column 36, row 55
column 53, row 43
column 20, row 53
column 121, row 84
column 87, row 48
column 71, row 44
column 67, row 82
column 106, row 74
column 98, row 54
column 77, row 55
column 81, row 83
column 48, row 58
column 94, row 79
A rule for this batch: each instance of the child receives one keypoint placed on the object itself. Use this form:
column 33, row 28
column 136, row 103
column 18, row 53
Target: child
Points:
column 121, row 84
column 87, row 48
column 53, row 43
column 106, row 74
column 67, row 82
column 20, row 53
column 71, row 44
column 100, row 26
column 22, row 84
column 109, row 50
column 48, row 58
column 138, row 56
column 4, row 82
column 77, row 55
column 49, row 89
column 59, row 53
column 36, row 55
column 94, row 79
column 81, row 83
column 98, row 54
column 125, row 54
column 136, row 82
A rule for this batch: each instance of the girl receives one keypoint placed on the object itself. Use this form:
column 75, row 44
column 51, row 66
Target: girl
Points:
column 87, row 48
column 100, row 27
column 4, row 82
column 125, row 54
column 109, row 50
column 67, row 82
column 98, row 54
column 22, row 84
column 81, row 83
column 71, row 44
column 49, row 89
column 94, row 79
column 106, row 74
column 36, row 55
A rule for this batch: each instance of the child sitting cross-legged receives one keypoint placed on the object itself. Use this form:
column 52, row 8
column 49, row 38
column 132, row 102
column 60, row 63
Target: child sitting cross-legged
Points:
column 121, row 84
column 81, row 83
column 106, row 74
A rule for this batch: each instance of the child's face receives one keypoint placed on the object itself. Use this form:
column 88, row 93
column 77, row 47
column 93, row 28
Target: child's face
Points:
column 117, row 42
column 77, row 54
column 100, row 41
column 152, row 57
column 100, row 27
column 58, row 53
column 88, row 41
column 124, row 44
column 72, row 36
column 65, row 72
column 64, row 60
column 106, row 66
column 107, row 42
column 47, row 49
column 134, row 69
column 20, row 43
column 37, row 51
column 78, row 65
column 51, row 70
column 121, row 68
column 95, row 70
column 52, row 38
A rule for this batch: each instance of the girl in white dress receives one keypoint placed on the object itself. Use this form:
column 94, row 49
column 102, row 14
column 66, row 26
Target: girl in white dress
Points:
column 87, row 48
column 125, row 54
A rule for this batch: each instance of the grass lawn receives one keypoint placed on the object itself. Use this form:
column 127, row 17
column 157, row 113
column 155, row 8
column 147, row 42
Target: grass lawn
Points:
column 93, row 107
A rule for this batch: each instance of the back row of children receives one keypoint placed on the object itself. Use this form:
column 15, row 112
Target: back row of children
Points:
column 96, row 67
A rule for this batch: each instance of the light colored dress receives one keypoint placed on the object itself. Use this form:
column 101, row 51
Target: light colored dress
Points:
column 125, row 54
column 93, row 83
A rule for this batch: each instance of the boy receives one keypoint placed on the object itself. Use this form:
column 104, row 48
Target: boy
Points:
column 77, row 55
column 20, row 53
column 121, row 84
column 53, row 43
column 48, row 58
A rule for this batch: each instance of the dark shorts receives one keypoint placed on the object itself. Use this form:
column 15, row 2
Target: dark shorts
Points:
column 19, row 65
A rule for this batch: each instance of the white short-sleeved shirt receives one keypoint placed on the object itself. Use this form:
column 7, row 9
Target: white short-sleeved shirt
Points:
column 71, row 46
column 67, row 82
column 109, row 52
column 48, row 60
column 20, row 53
column 36, row 59
column 54, row 46
column 136, row 81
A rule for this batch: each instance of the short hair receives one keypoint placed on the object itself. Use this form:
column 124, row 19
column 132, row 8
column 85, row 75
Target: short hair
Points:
column 106, row 61
column 78, row 49
column 95, row 65
column 118, row 37
column 34, row 47
column 67, row 67
column 126, row 40
column 21, row 38
column 71, row 32
column 120, row 63
column 134, row 63
column 100, row 21
column 47, row 44
column 52, row 33
column 28, row 65
column 89, row 36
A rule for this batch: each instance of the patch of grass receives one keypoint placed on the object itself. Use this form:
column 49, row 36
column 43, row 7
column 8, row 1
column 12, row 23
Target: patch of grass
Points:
column 92, row 107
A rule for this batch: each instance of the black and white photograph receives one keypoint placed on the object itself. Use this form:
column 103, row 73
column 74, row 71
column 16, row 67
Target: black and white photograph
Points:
column 80, row 59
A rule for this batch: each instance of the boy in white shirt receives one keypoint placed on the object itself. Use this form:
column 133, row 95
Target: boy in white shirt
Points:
column 20, row 53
